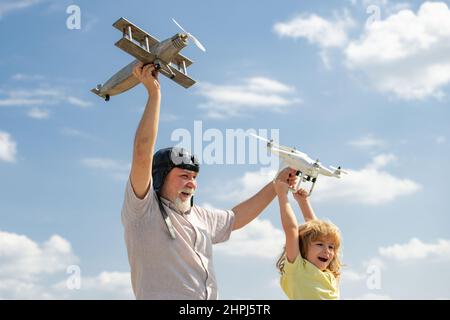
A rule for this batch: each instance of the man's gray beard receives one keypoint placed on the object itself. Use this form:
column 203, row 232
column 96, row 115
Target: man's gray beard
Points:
column 182, row 206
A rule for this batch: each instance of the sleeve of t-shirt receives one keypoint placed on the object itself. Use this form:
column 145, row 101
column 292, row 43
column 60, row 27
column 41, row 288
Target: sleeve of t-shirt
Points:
column 133, row 207
column 289, row 275
column 298, row 265
column 220, row 223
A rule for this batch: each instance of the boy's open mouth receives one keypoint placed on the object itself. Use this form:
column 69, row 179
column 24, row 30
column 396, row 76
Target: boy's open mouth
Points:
column 323, row 259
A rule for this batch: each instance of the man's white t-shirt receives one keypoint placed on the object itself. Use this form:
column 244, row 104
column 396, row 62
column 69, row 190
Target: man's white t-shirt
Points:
column 166, row 268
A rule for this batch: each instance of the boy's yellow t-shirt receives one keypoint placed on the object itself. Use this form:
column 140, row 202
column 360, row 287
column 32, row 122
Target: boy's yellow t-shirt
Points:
column 301, row 280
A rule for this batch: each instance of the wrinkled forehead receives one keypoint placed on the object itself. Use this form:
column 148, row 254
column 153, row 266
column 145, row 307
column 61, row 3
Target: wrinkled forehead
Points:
column 177, row 170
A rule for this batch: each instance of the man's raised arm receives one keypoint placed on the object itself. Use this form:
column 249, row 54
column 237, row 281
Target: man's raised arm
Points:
column 145, row 139
column 248, row 210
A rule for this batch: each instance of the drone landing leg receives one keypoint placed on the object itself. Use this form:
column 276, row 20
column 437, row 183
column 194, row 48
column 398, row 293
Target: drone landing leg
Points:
column 312, row 187
column 300, row 175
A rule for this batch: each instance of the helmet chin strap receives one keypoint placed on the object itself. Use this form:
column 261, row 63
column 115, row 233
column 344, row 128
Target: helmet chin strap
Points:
column 166, row 218
column 192, row 201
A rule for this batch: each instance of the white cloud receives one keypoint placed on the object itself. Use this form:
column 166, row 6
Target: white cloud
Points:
column 167, row 117
column 374, row 262
column 8, row 147
column 113, row 282
column 89, row 22
column 71, row 132
column 7, row 6
column 27, row 269
column 397, row 264
column 381, row 160
column 350, row 275
column 105, row 164
column 23, row 289
column 441, row 140
column 247, row 185
column 78, row 102
column 257, row 239
column 107, row 285
column 257, row 93
column 11, row 102
column 207, row 205
column 118, row 170
column 261, row 84
column 317, row 30
column 26, row 77
column 382, row 3
column 320, row 31
column 40, row 96
column 407, row 54
column 367, row 142
column 374, row 296
column 416, row 249
column 385, row 6
column 370, row 185
column 39, row 114
column 22, row 258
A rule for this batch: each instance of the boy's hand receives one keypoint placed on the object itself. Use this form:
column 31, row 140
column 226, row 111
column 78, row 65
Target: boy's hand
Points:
column 148, row 75
column 301, row 195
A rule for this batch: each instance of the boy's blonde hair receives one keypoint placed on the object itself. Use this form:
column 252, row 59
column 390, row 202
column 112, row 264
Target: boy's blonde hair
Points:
column 314, row 230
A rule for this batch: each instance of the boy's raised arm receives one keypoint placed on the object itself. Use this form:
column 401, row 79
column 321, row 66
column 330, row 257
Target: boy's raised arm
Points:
column 288, row 221
column 302, row 198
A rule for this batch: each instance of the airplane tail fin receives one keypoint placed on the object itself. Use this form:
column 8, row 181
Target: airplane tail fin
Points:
column 97, row 91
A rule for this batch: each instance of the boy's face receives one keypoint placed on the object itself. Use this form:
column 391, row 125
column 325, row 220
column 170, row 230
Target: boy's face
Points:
column 320, row 253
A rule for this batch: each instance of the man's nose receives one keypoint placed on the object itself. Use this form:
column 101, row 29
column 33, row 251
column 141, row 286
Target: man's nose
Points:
column 191, row 184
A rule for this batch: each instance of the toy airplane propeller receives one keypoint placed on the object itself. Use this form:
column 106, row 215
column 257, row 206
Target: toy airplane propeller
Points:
column 307, row 168
column 147, row 49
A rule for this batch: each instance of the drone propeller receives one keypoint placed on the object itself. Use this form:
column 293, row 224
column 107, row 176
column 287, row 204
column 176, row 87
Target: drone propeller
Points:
column 282, row 151
column 339, row 169
column 197, row 43
column 269, row 142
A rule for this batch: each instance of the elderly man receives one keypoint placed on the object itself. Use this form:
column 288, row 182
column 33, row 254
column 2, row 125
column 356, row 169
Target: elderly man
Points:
column 169, row 239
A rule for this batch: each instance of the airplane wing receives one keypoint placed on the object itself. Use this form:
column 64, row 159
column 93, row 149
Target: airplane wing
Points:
column 177, row 76
column 135, row 50
column 139, row 35
column 146, row 57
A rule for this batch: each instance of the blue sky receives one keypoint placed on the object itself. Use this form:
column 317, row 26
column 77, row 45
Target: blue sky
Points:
column 363, row 84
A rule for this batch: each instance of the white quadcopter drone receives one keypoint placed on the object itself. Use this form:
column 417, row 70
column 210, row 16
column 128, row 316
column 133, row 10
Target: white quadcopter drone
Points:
column 307, row 168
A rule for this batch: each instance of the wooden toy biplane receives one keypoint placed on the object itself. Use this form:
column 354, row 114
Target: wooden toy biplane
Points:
column 147, row 49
